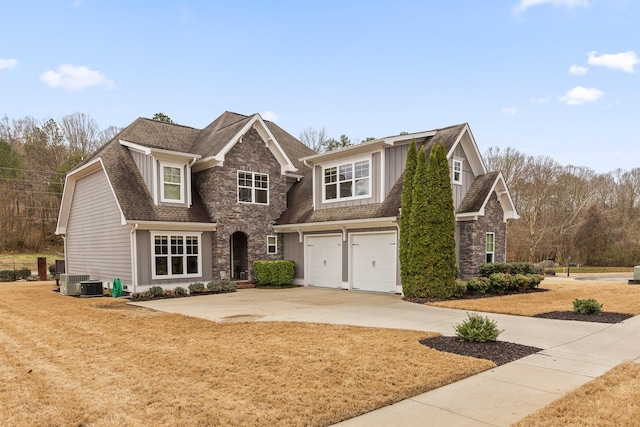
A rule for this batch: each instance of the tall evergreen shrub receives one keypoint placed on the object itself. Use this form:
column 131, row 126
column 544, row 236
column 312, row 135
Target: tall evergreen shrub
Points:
column 440, row 258
column 417, row 245
column 405, row 212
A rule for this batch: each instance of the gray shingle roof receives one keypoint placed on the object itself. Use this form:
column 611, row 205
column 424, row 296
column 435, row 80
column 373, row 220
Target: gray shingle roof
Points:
column 300, row 197
column 133, row 196
column 477, row 194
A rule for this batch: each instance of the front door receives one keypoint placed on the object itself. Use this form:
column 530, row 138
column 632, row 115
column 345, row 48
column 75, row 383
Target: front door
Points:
column 239, row 256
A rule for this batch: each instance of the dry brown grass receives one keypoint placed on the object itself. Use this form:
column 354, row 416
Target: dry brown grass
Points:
column 617, row 297
column 610, row 400
column 98, row 362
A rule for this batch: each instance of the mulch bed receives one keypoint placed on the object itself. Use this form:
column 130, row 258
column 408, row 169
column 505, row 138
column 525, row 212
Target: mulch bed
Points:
column 499, row 352
column 604, row 317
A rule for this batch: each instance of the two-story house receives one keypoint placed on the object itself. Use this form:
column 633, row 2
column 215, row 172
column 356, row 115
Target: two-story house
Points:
column 168, row 205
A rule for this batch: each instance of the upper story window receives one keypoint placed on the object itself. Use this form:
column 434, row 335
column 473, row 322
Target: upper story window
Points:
column 253, row 187
column 456, row 177
column 347, row 181
column 172, row 182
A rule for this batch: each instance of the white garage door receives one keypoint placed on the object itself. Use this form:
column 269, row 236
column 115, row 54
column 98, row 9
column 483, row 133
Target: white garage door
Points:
column 373, row 262
column 324, row 261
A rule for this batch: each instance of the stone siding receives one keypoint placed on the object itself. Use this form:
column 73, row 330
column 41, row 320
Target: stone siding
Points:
column 218, row 189
column 472, row 238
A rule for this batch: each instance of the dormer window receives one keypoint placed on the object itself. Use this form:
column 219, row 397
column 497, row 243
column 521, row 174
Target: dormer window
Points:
column 172, row 182
column 456, row 173
column 253, row 187
column 347, row 181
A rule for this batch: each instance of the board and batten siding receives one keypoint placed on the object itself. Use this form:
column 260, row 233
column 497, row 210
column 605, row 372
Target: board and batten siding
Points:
column 294, row 250
column 375, row 174
column 100, row 248
column 145, row 166
column 460, row 190
column 396, row 160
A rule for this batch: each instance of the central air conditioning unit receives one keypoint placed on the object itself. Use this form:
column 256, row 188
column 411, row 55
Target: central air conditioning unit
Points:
column 70, row 283
column 91, row 288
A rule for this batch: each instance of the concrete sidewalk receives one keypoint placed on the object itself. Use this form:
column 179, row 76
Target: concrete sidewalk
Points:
column 573, row 352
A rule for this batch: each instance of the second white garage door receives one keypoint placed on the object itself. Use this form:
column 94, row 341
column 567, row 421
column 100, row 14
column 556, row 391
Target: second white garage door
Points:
column 324, row 260
column 373, row 261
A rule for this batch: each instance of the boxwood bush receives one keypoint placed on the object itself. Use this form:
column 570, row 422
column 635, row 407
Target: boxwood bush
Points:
column 525, row 268
column 477, row 329
column 276, row 273
column 196, row 288
column 587, row 306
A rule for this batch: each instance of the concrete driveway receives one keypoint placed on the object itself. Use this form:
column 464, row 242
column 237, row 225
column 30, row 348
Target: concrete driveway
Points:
column 573, row 352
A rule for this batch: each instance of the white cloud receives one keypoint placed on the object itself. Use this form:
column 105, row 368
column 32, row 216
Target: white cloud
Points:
column 541, row 100
column 625, row 61
column 8, row 63
column 270, row 115
column 576, row 70
column 75, row 77
column 569, row 4
column 579, row 95
column 510, row 111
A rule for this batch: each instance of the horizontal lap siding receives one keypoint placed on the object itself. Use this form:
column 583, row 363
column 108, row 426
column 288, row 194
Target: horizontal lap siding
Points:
column 97, row 243
column 294, row 250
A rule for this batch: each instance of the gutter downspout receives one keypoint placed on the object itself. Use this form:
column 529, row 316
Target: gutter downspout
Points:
column 134, row 258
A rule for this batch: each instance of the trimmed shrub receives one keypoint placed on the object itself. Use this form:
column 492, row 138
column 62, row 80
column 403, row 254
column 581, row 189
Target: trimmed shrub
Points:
column 52, row 269
column 180, row 291
column 489, row 268
column 477, row 329
column 478, row 285
column 7, row 276
column 214, row 287
column 534, row 280
column 459, row 288
column 196, row 288
column 23, row 273
column 587, row 306
column 228, row 286
column 499, row 283
column 520, row 283
column 156, row 291
column 550, row 272
column 277, row 273
column 524, row 268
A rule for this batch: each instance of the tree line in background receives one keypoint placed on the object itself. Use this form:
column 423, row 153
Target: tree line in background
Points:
column 35, row 156
column 565, row 211
column 569, row 212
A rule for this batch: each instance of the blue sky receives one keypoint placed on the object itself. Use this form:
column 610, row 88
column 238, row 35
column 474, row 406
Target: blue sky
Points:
column 547, row 77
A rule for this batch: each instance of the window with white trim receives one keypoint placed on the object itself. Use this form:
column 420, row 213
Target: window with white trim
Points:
column 347, row 181
column 490, row 247
column 176, row 255
column 172, row 182
column 253, row 187
column 272, row 245
column 456, row 177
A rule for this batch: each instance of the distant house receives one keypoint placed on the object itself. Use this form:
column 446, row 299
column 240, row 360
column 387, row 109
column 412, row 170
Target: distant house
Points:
column 168, row 205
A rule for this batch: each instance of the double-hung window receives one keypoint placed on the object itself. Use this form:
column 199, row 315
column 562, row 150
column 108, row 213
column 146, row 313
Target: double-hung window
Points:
column 347, row 181
column 253, row 187
column 272, row 245
column 456, row 177
column 172, row 182
column 176, row 255
column 491, row 247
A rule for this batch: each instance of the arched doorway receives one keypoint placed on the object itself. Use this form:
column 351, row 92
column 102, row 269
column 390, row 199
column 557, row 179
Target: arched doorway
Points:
column 239, row 256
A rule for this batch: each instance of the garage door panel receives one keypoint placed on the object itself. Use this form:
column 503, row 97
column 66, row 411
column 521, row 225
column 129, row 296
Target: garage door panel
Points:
column 373, row 262
column 324, row 260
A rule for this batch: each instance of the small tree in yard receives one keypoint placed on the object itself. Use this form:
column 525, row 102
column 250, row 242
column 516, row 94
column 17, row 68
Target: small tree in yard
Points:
column 405, row 213
column 440, row 262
